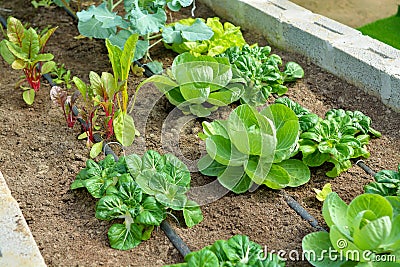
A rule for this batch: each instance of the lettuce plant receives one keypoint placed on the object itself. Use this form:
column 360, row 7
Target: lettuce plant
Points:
column 261, row 70
column 254, row 147
column 198, row 85
column 239, row 250
column 139, row 190
column 23, row 48
column 361, row 233
column 387, row 183
column 178, row 37
column 341, row 136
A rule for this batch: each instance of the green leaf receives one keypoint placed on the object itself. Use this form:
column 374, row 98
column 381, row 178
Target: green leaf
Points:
column 192, row 213
column 258, row 169
column 98, row 22
column 277, row 177
column 96, row 149
column 134, row 164
column 47, row 67
column 29, row 96
column 152, row 160
column 334, row 211
column 176, row 33
column 321, row 194
column 110, row 207
column 298, row 172
column 144, row 23
column 6, row 53
column 372, row 235
column 293, row 71
column 15, row 30
column 210, row 167
column 222, row 150
column 235, row 179
column 124, row 237
column 203, row 258
column 151, row 213
column 315, row 246
column 177, row 170
column 124, row 128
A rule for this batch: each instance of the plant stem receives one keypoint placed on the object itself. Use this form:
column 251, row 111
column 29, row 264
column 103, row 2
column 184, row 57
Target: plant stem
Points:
column 153, row 44
column 154, row 36
column 67, row 6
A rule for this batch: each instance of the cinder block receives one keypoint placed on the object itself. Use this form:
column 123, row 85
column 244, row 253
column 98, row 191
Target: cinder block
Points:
column 341, row 50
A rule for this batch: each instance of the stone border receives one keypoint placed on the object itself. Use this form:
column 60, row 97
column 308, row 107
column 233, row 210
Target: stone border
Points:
column 17, row 246
column 341, row 50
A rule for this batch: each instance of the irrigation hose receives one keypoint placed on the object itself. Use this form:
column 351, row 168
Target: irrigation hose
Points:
column 360, row 163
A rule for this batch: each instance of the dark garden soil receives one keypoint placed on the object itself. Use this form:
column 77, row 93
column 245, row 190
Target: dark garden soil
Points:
column 40, row 157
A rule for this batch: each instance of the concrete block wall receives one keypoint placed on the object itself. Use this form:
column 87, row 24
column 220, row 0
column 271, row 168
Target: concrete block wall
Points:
column 341, row 50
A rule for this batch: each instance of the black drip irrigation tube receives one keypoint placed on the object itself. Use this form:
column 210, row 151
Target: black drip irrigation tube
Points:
column 175, row 239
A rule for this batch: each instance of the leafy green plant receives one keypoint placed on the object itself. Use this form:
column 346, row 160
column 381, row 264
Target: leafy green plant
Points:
column 239, row 250
column 177, row 36
column 254, row 147
column 139, row 190
column 105, row 101
column 61, row 98
column 321, row 194
column 307, row 119
column 23, row 48
column 145, row 18
column 61, row 75
column 360, row 233
column 198, row 85
column 387, row 183
column 261, row 70
column 341, row 136
column 43, row 3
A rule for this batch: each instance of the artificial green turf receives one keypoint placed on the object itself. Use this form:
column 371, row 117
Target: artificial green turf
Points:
column 385, row 30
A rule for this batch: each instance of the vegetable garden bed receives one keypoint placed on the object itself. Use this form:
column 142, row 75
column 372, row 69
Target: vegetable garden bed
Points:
column 40, row 157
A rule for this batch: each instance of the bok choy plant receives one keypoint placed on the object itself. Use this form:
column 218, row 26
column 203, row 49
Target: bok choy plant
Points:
column 141, row 191
column 254, row 147
column 238, row 250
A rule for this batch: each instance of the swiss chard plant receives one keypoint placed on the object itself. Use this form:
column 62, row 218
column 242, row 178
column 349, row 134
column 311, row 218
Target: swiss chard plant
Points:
column 387, row 183
column 254, row 147
column 141, row 191
column 239, row 250
column 341, row 136
column 24, row 48
column 178, row 37
column 360, row 234
column 145, row 18
column 61, row 98
column 262, row 73
column 105, row 100
column 198, row 85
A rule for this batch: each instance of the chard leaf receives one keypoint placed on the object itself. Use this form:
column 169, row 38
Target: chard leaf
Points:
column 124, row 128
column 6, row 53
column 134, row 164
column 192, row 213
column 15, row 30
column 30, row 43
column 177, row 170
column 125, row 237
column 47, row 67
column 96, row 149
column 29, row 96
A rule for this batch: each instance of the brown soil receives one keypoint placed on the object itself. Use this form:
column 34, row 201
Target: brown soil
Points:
column 40, row 157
